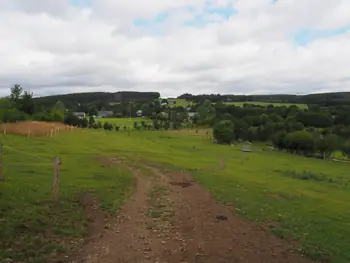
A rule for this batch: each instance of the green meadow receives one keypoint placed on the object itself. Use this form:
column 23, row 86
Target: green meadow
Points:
column 185, row 103
column 128, row 122
column 265, row 104
column 298, row 198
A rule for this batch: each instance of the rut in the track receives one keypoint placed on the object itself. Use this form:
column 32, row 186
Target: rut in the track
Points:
column 185, row 225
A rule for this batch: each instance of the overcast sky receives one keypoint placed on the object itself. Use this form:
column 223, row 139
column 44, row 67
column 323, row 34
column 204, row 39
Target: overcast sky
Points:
column 175, row 46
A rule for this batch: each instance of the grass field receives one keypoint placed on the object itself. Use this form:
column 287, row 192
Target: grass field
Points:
column 124, row 121
column 265, row 104
column 298, row 198
column 180, row 103
column 184, row 103
column 30, row 225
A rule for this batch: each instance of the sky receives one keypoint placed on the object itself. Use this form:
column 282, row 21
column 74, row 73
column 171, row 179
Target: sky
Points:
column 175, row 47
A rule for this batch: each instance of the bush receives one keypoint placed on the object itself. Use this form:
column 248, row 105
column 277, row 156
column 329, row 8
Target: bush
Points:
column 300, row 142
column 117, row 128
column 224, row 132
column 107, row 126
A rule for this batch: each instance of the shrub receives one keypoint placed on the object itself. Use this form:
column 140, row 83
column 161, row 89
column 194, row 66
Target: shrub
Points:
column 224, row 132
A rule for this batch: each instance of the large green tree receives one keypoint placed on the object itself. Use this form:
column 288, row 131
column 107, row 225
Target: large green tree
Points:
column 224, row 132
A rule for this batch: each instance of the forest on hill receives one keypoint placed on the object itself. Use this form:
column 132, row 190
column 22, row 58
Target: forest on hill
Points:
column 322, row 99
column 100, row 99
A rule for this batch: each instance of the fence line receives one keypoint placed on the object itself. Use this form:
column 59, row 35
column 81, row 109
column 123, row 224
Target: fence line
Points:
column 55, row 162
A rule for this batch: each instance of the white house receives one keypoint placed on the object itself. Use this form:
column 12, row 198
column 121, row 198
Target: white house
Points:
column 139, row 113
column 80, row 115
column 104, row 113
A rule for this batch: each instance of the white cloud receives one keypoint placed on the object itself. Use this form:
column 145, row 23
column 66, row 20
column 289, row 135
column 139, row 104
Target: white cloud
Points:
column 56, row 47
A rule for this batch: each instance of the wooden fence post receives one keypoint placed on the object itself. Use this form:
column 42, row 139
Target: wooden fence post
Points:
column 1, row 176
column 55, row 180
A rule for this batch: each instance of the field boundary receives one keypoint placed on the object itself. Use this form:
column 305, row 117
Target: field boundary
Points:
column 55, row 162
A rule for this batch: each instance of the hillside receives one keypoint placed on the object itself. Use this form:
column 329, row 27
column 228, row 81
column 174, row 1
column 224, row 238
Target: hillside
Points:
column 95, row 97
column 334, row 98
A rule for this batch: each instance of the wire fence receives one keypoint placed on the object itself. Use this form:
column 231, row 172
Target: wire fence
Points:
column 55, row 163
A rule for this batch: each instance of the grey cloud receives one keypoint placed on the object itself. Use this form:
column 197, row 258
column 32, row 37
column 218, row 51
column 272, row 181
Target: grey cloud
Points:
column 51, row 47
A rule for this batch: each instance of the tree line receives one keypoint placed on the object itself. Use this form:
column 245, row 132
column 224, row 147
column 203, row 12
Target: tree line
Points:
column 324, row 99
column 317, row 131
column 20, row 106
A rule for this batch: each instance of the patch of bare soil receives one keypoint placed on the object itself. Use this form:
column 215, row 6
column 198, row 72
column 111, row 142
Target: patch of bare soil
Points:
column 172, row 219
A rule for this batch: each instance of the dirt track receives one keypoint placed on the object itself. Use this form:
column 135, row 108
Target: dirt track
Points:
column 171, row 218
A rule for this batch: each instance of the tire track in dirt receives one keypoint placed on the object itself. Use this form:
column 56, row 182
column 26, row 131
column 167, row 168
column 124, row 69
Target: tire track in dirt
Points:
column 211, row 233
column 186, row 226
column 126, row 238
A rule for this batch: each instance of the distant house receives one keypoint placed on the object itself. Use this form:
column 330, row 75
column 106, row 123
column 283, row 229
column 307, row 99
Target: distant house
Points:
column 191, row 114
column 171, row 102
column 80, row 115
column 164, row 115
column 102, row 114
column 139, row 113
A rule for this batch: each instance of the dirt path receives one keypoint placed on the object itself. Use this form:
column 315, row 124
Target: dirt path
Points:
column 171, row 218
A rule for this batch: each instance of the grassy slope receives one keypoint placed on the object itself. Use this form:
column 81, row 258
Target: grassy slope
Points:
column 29, row 224
column 184, row 103
column 258, row 184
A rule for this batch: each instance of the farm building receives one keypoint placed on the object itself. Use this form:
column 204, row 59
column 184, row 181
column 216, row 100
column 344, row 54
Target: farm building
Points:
column 139, row 113
column 192, row 114
column 80, row 115
column 104, row 113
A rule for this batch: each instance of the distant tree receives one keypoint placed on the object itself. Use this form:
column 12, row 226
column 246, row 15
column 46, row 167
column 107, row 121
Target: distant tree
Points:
column 16, row 93
column 226, row 116
column 136, row 125
column 279, row 140
column 156, row 125
column 84, row 123
column 27, row 104
column 224, row 132
column 91, row 121
column 345, row 148
column 99, row 125
column 327, row 144
column 92, row 110
column 300, row 142
column 71, row 119
column 13, row 115
column 106, row 126
column 315, row 119
column 117, row 128
column 207, row 112
column 166, row 125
